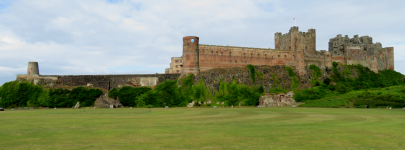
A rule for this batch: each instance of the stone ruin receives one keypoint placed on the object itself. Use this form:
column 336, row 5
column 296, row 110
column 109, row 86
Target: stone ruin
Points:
column 107, row 102
column 273, row 100
column 77, row 105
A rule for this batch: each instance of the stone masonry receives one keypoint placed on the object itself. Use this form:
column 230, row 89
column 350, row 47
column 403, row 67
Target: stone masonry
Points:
column 295, row 48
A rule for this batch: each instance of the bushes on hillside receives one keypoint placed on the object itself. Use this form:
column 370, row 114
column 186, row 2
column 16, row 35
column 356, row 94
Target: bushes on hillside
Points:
column 128, row 95
column 15, row 94
column 379, row 99
column 343, row 82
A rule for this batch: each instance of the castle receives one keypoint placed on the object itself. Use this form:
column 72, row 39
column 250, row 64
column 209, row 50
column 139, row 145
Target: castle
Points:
column 294, row 48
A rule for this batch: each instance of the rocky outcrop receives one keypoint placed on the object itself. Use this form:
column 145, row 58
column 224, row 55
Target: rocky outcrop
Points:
column 190, row 104
column 272, row 99
column 77, row 105
column 242, row 76
column 107, row 102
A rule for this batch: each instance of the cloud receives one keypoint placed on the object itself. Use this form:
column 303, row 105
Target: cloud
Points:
column 133, row 36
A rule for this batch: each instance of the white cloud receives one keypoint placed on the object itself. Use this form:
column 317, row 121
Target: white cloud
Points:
column 108, row 37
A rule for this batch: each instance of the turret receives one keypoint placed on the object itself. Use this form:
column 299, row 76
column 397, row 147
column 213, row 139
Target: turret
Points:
column 190, row 55
column 32, row 68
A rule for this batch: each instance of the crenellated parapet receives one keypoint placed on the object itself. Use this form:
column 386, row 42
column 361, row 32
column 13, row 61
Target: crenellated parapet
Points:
column 296, row 40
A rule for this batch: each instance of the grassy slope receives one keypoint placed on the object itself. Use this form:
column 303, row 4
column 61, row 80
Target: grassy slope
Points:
column 204, row 128
column 337, row 101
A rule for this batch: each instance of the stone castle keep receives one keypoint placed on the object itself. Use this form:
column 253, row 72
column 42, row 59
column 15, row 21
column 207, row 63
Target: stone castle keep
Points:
column 294, row 48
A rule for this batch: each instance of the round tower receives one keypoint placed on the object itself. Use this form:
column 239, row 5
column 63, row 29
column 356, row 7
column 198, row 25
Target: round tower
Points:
column 32, row 68
column 190, row 55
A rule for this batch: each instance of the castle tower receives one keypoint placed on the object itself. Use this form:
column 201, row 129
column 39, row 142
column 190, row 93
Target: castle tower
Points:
column 296, row 40
column 190, row 55
column 32, row 68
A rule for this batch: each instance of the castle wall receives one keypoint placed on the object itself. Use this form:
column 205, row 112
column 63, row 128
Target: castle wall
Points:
column 101, row 81
column 214, row 56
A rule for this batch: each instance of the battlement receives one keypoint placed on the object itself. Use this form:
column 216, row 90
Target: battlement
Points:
column 295, row 40
column 229, row 47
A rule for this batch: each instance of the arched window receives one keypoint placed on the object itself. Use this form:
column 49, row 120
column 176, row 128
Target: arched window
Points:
column 229, row 53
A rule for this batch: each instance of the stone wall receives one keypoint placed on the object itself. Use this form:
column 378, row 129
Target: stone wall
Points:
column 215, row 56
column 273, row 99
column 106, row 82
column 361, row 50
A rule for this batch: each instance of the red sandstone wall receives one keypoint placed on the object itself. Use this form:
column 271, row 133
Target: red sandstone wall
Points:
column 212, row 56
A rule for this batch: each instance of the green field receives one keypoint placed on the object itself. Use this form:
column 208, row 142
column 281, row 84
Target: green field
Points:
column 203, row 128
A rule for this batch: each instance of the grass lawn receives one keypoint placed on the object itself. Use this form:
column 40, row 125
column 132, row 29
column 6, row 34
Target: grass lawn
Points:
column 203, row 128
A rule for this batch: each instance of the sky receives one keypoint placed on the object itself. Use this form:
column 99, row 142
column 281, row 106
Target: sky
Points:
column 86, row 37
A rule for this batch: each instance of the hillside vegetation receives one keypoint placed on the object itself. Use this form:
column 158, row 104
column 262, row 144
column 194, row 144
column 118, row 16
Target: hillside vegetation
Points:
column 344, row 89
column 25, row 94
column 339, row 86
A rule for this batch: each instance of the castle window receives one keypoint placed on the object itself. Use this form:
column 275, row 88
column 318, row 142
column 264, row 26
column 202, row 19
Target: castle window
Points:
column 306, row 47
column 236, row 61
column 181, row 61
column 294, row 57
column 177, row 66
column 31, row 68
column 289, row 47
column 221, row 53
column 230, row 61
column 327, row 55
column 244, row 55
column 177, row 71
column 245, row 62
column 229, row 53
column 217, row 52
column 212, row 53
column 265, row 55
column 258, row 55
column 177, row 61
column 278, row 56
column 251, row 55
column 181, row 66
column 285, row 56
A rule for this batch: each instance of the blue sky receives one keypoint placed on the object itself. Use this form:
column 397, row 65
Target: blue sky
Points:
column 134, row 36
